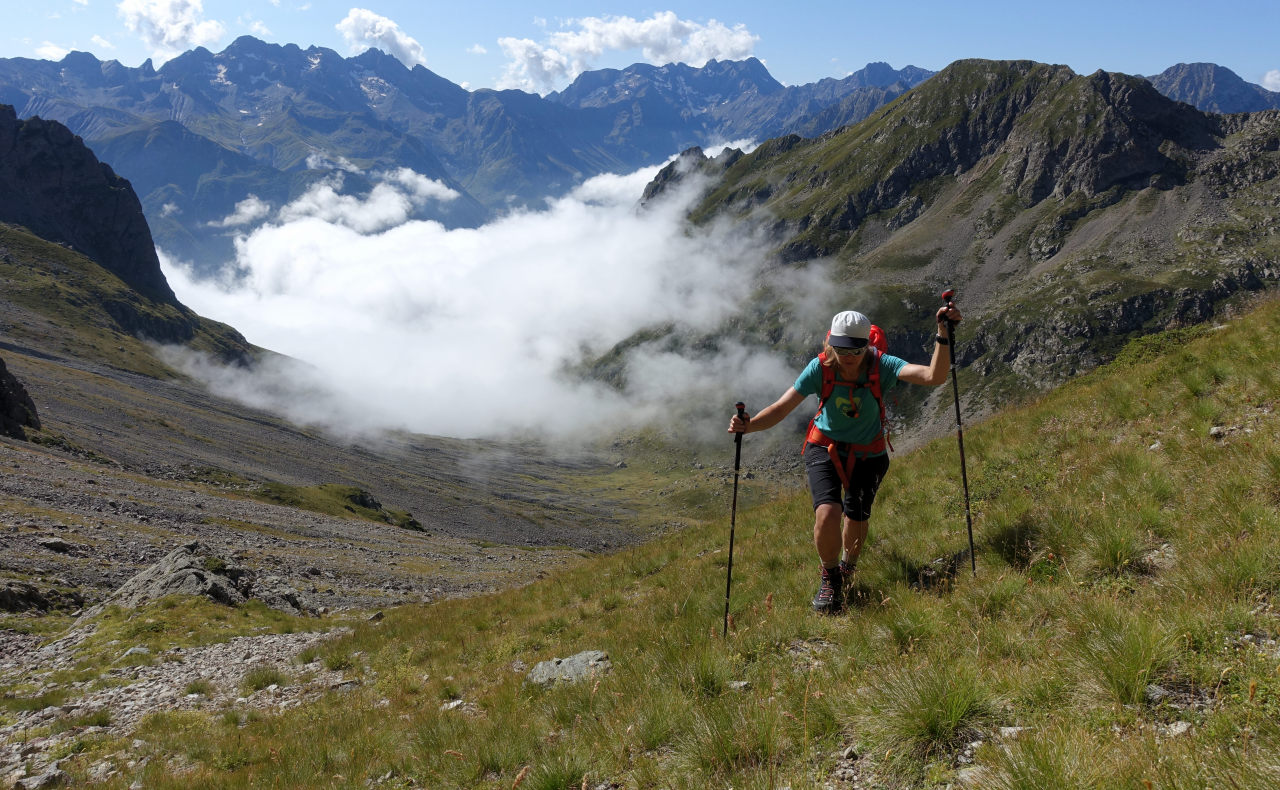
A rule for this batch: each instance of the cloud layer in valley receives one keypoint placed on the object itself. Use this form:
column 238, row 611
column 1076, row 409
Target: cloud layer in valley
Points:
column 399, row 323
column 663, row 38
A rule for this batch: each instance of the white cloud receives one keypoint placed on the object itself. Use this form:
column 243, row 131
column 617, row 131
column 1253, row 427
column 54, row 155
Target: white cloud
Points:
column 419, row 187
column 663, row 38
column 50, row 51
column 323, row 160
column 1271, row 80
column 364, row 29
column 102, row 43
column 170, row 26
column 470, row 332
column 249, row 210
column 476, row 49
column 82, row 2
column 389, row 204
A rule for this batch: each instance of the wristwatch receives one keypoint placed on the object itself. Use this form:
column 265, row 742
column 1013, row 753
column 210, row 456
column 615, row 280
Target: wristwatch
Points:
column 942, row 341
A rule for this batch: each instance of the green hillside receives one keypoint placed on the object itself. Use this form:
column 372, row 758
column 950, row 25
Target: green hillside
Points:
column 1120, row 631
column 57, row 299
column 1073, row 214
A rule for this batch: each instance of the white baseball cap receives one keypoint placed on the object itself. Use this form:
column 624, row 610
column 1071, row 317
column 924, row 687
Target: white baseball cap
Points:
column 849, row 329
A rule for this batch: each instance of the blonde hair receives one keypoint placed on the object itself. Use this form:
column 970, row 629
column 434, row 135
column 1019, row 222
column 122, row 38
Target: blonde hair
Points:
column 828, row 355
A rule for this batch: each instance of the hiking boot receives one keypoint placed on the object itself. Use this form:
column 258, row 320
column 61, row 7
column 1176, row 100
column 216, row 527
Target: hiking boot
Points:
column 846, row 570
column 830, row 596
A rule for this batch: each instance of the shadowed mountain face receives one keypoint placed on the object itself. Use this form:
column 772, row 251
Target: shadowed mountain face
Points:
column 53, row 185
column 1071, row 212
column 206, row 131
column 79, row 265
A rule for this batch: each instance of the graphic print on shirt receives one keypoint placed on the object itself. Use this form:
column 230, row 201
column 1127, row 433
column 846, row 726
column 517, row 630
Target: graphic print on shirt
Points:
column 847, row 406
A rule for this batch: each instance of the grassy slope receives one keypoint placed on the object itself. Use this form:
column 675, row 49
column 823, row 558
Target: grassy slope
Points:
column 1119, row 546
column 59, row 299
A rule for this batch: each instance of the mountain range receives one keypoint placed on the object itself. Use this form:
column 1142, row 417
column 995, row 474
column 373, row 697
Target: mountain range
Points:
column 206, row 131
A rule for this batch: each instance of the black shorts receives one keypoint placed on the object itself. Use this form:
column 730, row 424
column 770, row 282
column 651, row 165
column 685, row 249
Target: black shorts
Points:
column 824, row 481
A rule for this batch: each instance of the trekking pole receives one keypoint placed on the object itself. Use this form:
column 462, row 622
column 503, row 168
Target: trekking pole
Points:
column 733, row 510
column 947, row 296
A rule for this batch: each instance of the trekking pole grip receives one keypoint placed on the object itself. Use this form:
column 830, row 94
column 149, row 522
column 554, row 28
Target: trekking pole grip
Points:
column 948, row 296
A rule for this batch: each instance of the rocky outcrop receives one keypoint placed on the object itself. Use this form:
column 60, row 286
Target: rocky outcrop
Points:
column 194, row 570
column 17, row 410
column 54, row 186
column 20, row 596
column 1101, row 131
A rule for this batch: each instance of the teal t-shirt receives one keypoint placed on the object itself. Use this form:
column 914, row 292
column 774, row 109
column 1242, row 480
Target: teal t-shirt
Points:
column 851, row 414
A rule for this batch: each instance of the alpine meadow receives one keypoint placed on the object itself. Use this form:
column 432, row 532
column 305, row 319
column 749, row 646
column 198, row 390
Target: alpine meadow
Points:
column 477, row 521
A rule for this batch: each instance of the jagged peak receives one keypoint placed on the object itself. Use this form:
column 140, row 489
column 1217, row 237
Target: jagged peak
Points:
column 376, row 59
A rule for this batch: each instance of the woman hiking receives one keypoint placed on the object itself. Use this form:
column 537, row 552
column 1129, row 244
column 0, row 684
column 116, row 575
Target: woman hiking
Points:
column 844, row 449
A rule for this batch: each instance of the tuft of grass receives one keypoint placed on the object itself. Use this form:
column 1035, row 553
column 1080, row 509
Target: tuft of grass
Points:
column 561, row 772
column 1115, row 548
column 1062, row 758
column 1121, row 652
column 262, row 676
column 926, row 710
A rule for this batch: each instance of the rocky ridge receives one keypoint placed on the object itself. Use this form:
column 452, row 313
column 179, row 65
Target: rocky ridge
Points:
column 1073, row 213
column 52, row 184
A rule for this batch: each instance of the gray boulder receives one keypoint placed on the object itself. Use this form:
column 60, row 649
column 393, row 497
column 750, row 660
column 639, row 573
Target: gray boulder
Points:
column 587, row 664
column 20, row 596
column 194, row 570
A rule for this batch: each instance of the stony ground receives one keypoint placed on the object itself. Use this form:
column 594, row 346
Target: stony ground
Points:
column 132, row 692
column 74, row 528
column 139, row 466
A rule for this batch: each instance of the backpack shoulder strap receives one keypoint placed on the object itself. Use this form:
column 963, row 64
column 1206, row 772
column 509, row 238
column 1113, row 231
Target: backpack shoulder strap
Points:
column 828, row 379
column 873, row 376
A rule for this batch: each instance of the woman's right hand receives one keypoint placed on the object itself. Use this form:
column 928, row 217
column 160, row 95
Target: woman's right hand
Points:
column 737, row 424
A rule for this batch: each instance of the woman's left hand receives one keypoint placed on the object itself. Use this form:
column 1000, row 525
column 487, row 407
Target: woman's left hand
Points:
column 949, row 312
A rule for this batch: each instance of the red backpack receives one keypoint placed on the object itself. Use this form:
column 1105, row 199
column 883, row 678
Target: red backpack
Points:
column 877, row 344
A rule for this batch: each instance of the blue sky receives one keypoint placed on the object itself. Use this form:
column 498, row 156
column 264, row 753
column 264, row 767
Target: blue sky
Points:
column 540, row 47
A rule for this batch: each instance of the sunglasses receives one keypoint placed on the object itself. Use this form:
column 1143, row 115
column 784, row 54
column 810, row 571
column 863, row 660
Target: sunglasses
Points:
column 849, row 351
